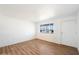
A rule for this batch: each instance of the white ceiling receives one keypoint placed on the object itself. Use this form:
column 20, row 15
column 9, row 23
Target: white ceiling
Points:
column 38, row 12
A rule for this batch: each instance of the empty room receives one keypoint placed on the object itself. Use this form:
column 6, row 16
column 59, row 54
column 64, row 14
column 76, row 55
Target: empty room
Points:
column 39, row 29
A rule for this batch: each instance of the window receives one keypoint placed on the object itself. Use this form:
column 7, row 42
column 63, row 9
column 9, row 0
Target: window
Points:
column 46, row 28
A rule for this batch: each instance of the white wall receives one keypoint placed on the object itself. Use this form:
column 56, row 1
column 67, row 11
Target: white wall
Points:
column 56, row 37
column 14, row 31
column 49, row 37
column 69, row 36
column 78, row 28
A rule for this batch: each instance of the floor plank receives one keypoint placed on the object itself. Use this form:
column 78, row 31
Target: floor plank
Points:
column 38, row 47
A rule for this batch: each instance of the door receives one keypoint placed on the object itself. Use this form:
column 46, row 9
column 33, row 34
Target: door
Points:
column 69, row 33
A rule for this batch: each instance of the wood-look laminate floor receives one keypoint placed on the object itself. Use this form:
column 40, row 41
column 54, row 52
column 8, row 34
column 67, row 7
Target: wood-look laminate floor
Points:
column 38, row 47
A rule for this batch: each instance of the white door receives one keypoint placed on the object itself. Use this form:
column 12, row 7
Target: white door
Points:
column 69, row 33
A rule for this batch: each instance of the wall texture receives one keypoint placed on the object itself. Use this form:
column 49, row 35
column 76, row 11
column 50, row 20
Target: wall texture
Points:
column 14, row 31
